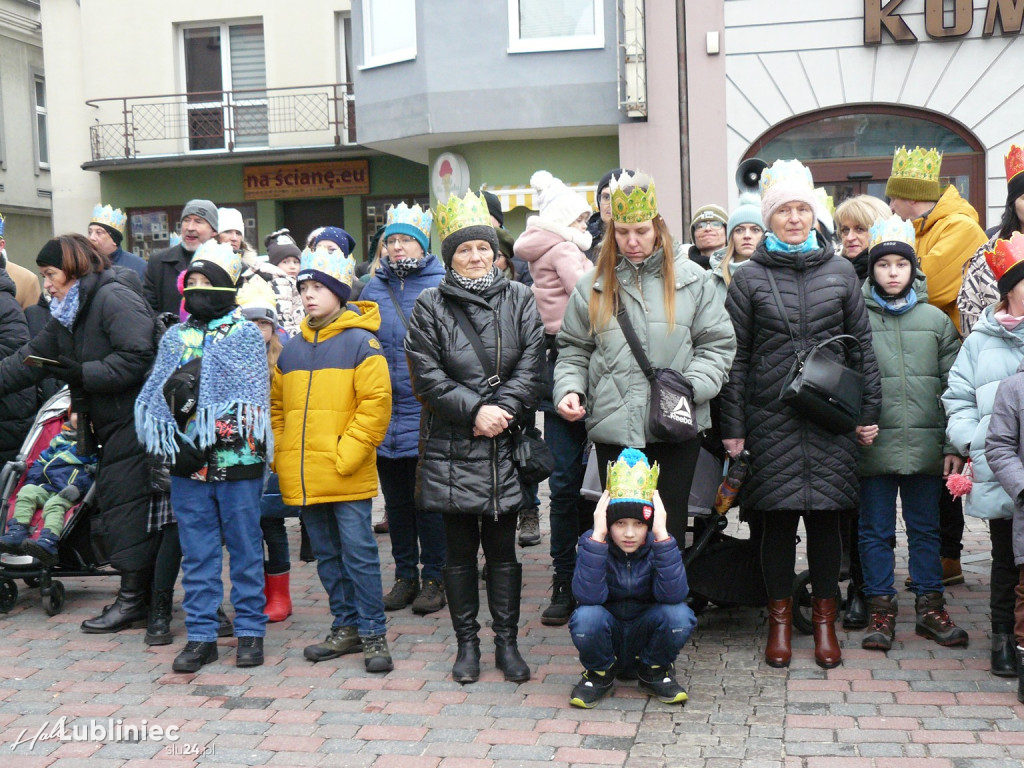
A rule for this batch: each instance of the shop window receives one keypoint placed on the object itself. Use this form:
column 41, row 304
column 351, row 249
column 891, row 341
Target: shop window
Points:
column 41, row 134
column 389, row 31
column 375, row 215
column 555, row 25
column 153, row 229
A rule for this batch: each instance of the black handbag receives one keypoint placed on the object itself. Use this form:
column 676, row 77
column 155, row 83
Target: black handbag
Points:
column 818, row 387
column 672, row 417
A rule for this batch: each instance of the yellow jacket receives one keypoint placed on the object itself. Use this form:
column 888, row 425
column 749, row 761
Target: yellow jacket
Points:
column 947, row 237
column 330, row 404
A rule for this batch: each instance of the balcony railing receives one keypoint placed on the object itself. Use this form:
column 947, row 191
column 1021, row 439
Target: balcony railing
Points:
column 137, row 127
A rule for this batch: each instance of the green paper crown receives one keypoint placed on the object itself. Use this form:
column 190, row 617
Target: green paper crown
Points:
column 918, row 163
column 633, row 198
column 459, row 213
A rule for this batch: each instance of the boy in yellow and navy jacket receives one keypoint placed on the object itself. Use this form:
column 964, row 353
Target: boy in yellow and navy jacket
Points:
column 330, row 407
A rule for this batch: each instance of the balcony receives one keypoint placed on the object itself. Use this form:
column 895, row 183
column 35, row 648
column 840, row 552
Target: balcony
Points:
column 140, row 128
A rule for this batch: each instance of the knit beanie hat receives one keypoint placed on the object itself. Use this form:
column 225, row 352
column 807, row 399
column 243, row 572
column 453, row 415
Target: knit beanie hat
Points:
column 558, row 204
column 632, row 482
column 204, row 209
column 786, row 181
column 339, row 237
column 494, row 206
column 51, row 254
column 218, row 263
column 414, row 222
column 602, row 185
column 887, row 236
column 915, row 175
column 747, row 212
column 708, row 213
column 336, row 270
column 110, row 218
column 460, row 220
column 230, row 219
column 464, row 235
column 281, row 245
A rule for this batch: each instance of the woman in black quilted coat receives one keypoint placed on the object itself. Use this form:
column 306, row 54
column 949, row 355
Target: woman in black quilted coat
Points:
column 798, row 468
column 465, row 468
column 17, row 410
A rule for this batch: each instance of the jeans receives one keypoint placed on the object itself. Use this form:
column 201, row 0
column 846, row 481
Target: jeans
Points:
column 416, row 536
column 207, row 514
column 567, row 441
column 655, row 637
column 919, row 495
column 341, row 535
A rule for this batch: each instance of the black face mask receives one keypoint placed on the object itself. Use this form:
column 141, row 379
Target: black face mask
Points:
column 206, row 304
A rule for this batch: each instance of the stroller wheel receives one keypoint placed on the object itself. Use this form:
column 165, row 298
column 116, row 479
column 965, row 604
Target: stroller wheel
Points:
column 8, row 594
column 802, row 602
column 697, row 603
column 53, row 601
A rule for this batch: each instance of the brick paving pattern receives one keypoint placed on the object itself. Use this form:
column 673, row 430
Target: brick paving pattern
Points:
column 921, row 706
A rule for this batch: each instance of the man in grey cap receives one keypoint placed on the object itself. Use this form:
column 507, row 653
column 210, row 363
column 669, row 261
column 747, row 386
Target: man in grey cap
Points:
column 198, row 224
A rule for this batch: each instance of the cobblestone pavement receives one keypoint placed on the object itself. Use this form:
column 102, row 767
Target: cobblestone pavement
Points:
column 921, row 706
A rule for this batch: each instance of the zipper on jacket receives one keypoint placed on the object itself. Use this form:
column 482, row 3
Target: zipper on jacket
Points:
column 903, row 387
column 803, row 334
column 305, row 413
column 494, row 442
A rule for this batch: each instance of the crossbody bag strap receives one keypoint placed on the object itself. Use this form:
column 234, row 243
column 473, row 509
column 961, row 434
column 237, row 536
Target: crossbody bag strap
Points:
column 782, row 307
column 398, row 307
column 634, row 343
column 474, row 339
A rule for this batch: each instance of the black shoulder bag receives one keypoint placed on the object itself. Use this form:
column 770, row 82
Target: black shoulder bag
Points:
column 819, row 388
column 672, row 416
column 529, row 450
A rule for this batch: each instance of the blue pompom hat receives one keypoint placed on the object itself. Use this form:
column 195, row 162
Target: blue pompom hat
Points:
column 338, row 236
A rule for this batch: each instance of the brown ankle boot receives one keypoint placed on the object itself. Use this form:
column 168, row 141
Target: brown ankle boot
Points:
column 779, row 651
column 826, row 645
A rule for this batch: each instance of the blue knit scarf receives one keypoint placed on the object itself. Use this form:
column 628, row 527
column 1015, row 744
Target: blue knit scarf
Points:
column 895, row 306
column 772, row 243
column 233, row 378
column 66, row 309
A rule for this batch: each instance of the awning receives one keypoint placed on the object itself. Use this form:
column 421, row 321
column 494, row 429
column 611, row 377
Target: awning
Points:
column 515, row 197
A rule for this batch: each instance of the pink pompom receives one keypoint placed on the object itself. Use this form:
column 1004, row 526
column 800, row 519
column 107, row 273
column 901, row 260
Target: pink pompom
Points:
column 961, row 484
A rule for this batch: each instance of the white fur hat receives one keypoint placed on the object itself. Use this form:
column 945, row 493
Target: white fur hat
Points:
column 558, row 204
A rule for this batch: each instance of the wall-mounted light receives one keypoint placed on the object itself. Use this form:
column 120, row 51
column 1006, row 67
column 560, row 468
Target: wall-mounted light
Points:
column 713, row 45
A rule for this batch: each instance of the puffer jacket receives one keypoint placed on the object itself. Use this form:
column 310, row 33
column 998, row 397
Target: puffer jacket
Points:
column 947, row 237
column 17, row 410
column 601, row 368
column 60, row 465
column 990, row 354
column 458, row 472
column 330, row 403
column 716, row 269
column 557, row 258
column 795, row 464
column 627, row 584
column 915, row 351
column 1004, row 450
column 402, row 438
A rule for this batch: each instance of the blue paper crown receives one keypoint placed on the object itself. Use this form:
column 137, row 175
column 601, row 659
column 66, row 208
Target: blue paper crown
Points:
column 415, row 216
column 891, row 229
column 336, row 265
column 1, row 225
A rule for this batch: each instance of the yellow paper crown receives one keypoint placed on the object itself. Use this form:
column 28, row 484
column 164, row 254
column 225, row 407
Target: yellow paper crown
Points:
column 633, row 198
column 459, row 213
column 257, row 293
column 826, row 200
column 108, row 216
column 918, row 163
column 220, row 254
column 893, row 229
column 630, row 478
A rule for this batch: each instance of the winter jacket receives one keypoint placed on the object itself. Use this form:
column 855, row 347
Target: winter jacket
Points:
column 126, row 260
column 626, row 584
column 402, row 439
column 60, row 465
column 978, row 288
column 458, row 472
column 288, row 303
column 26, row 282
column 601, row 368
column 1004, row 450
column 947, row 237
column 160, row 286
column 112, row 337
column 557, row 259
column 595, row 226
column 795, row 464
column 17, row 410
column 715, row 267
column 915, row 351
column 693, row 254
column 330, row 402
column 990, row 354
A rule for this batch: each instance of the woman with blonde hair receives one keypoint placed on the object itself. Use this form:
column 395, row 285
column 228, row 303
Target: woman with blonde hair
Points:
column 854, row 218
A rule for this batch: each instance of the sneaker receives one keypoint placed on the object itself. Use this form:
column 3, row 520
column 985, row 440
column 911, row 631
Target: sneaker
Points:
column 376, row 656
column 562, row 602
column 342, row 640
column 15, row 536
column 591, row 688
column 430, row 599
column 661, row 683
column 194, row 655
column 934, row 623
column 43, row 549
column 250, row 652
column 529, row 528
column 402, row 594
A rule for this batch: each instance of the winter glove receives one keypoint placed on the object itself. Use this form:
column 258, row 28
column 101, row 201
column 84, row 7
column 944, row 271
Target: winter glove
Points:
column 69, row 371
column 71, row 493
column 188, row 460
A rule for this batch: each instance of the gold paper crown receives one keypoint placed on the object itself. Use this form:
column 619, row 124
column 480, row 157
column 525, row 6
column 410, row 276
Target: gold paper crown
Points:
column 459, row 213
column 918, row 163
column 1014, row 162
column 257, row 293
column 633, row 198
column 630, row 478
column 826, row 200
column 220, row 254
column 892, row 229
column 110, row 217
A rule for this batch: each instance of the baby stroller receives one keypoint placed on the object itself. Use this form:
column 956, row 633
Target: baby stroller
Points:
column 74, row 550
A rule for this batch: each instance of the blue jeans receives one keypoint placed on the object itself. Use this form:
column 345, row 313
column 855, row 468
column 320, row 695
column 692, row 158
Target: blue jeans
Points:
column 655, row 637
column 415, row 535
column 567, row 441
column 207, row 514
column 341, row 535
column 920, row 497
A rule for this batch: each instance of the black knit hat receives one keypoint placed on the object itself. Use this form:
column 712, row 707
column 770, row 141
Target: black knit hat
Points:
column 460, row 236
column 606, row 180
column 51, row 254
column 493, row 206
column 888, row 247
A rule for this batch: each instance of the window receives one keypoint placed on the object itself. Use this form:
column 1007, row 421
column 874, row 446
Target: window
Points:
column 389, row 31
column 225, row 79
column 42, row 138
column 555, row 25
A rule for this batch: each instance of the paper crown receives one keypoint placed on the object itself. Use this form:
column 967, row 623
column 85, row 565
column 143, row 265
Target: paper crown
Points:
column 919, row 163
column 1, row 225
column 892, row 229
column 220, row 254
column 826, row 201
column 257, row 293
column 633, row 198
column 336, row 265
column 631, row 478
column 786, row 172
column 1006, row 255
column 415, row 216
column 458, row 213
column 1014, row 161
column 109, row 217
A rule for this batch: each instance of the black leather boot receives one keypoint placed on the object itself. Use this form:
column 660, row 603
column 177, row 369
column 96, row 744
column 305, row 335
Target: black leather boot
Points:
column 130, row 608
column 1020, row 674
column 856, row 614
column 1004, row 651
column 463, row 590
column 158, row 628
column 504, row 589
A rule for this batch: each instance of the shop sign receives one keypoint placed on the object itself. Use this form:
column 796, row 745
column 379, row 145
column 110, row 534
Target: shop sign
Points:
column 328, row 179
column 881, row 15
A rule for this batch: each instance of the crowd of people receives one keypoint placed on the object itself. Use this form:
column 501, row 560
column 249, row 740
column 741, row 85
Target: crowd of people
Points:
column 215, row 392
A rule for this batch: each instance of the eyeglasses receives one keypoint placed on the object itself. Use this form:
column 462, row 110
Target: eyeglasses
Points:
column 402, row 240
column 708, row 225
